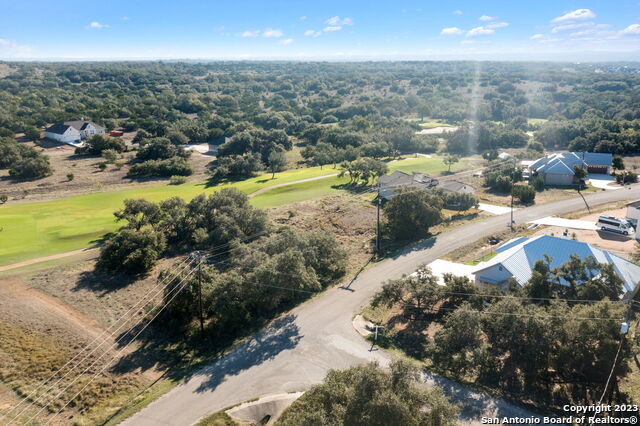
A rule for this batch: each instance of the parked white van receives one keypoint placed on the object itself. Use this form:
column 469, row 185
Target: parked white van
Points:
column 610, row 223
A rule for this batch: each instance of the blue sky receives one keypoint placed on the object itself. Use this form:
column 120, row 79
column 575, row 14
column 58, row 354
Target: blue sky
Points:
column 328, row 29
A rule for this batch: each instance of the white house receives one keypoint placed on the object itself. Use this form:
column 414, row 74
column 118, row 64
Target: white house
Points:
column 516, row 258
column 633, row 211
column 73, row 132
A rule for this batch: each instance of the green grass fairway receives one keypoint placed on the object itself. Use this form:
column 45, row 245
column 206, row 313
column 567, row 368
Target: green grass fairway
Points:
column 38, row 229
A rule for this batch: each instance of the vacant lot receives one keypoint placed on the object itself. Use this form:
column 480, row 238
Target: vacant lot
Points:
column 87, row 177
column 48, row 317
column 31, row 230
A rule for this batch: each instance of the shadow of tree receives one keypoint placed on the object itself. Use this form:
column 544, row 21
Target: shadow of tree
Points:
column 281, row 335
column 173, row 354
column 103, row 282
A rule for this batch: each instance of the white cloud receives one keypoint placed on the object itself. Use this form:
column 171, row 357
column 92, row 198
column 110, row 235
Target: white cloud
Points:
column 285, row 42
column 495, row 25
column 487, row 18
column 303, row 18
column 125, row 18
column 467, row 42
column 582, row 33
column 633, row 29
column 568, row 27
column 537, row 37
column 312, row 33
column 250, row 33
column 336, row 21
column 451, row 31
column 11, row 49
column 97, row 25
column 480, row 31
column 331, row 29
column 269, row 32
column 576, row 15
column 457, row 12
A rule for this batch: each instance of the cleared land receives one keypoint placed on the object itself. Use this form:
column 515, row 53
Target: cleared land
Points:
column 69, row 305
column 45, row 228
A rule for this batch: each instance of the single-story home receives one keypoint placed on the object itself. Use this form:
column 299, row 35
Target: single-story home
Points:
column 73, row 132
column 516, row 258
column 558, row 169
column 389, row 183
column 455, row 186
column 633, row 211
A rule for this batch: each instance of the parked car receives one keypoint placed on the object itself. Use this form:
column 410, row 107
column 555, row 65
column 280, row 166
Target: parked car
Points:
column 613, row 224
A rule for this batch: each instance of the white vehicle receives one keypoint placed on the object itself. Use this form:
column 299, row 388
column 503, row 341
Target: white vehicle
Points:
column 610, row 223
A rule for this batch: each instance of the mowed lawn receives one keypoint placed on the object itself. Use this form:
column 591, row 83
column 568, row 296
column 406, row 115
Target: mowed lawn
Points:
column 38, row 229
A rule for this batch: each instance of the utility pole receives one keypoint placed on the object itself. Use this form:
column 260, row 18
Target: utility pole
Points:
column 624, row 329
column 201, row 314
column 379, row 201
column 512, row 184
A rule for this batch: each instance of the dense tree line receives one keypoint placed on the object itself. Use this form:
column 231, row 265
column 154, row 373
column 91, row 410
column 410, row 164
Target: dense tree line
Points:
column 23, row 162
column 203, row 222
column 412, row 211
column 368, row 395
column 345, row 105
column 258, row 280
column 537, row 340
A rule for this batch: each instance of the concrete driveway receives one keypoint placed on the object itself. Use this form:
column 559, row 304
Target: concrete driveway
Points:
column 298, row 349
column 603, row 181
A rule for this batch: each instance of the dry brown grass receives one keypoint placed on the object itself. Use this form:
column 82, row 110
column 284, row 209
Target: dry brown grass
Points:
column 87, row 176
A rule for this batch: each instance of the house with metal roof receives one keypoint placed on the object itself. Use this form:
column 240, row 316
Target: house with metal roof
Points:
column 516, row 258
column 73, row 132
column 559, row 168
column 455, row 186
column 390, row 183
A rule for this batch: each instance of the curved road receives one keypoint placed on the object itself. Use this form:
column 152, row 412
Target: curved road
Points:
column 297, row 350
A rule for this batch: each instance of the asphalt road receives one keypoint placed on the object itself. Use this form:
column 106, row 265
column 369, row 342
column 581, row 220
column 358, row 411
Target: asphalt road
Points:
column 297, row 350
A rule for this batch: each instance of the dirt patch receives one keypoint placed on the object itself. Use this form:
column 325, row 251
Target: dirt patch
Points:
column 437, row 130
column 350, row 219
column 619, row 244
column 87, row 177
column 50, row 319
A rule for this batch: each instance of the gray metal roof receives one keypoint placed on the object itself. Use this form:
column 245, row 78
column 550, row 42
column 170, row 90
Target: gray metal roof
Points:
column 519, row 259
column 57, row 128
column 82, row 124
column 455, row 186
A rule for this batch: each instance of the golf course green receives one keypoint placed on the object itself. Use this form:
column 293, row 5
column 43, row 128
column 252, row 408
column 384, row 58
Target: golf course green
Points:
column 36, row 229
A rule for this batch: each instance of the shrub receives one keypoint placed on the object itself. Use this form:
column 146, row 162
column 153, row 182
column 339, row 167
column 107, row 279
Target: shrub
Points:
column 411, row 213
column 98, row 143
column 3, row 199
column 70, row 177
column 538, row 183
column 236, row 166
column 110, row 155
column 35, row 167
column 526, row 194
column 163, row 168
column 177, row 180
column 160, row 149
column 102, row 166
column 132, row 251
column 626, row 177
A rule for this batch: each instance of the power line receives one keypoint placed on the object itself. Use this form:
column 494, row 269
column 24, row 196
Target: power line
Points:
column 184, row 264
column 99, row 337
column 164, row 305
column 534, row 315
